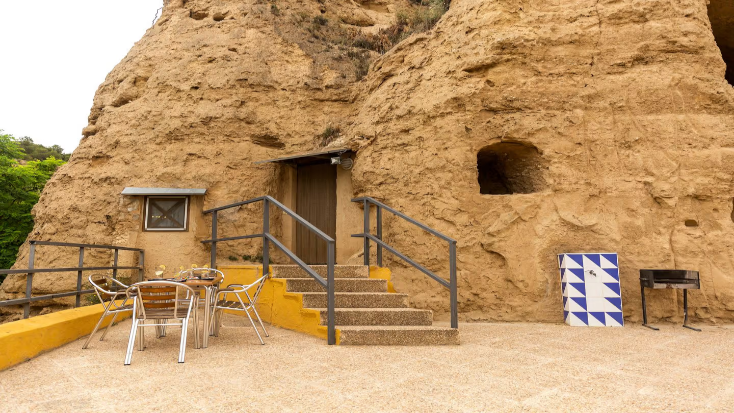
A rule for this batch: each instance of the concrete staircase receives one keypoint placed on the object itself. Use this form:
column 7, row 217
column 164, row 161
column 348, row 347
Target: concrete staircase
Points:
column 368, row 311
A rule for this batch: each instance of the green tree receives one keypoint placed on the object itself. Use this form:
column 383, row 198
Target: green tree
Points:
column 20, row 188
column 37, row 152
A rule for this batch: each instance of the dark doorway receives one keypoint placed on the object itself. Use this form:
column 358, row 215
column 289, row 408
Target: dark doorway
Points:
column 509, row 168
column 316, row 203
column 721, row 15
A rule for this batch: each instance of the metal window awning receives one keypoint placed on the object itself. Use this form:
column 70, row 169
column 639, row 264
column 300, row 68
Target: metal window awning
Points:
column 307, row 157
column 134, row 191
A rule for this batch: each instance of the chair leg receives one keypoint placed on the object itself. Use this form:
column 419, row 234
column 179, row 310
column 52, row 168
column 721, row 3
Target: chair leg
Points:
column 255, row 328
column 104, row 333
column 141, row 338
column 261, row 321
column 197, row 340
column 182, row 349
column 99, row 323
column 131, row 342
column 218, row 326
column 212, row 323
column 196, row 329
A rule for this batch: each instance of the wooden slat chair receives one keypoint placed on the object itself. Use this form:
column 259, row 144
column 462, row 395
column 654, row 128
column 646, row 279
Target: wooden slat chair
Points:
column 159, row 302
column 224, row 302
column 109, row 291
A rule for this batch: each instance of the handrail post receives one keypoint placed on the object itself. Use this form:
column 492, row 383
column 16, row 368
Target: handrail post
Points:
column 29, row 281
column 114, row 263
column 141, row 263
column 454, row 289
column 379, row 235
column 330, row 297
column 213, row 253
column 266, row 233
column 366, row 231
column 79, row 277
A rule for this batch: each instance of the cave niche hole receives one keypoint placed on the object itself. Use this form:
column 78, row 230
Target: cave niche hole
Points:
column 721, row 15
column 510, row 168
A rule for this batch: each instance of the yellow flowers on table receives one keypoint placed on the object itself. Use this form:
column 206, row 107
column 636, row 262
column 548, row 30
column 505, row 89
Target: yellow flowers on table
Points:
column 183, row 273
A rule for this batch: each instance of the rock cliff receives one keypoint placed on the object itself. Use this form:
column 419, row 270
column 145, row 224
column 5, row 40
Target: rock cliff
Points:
column 522, row 128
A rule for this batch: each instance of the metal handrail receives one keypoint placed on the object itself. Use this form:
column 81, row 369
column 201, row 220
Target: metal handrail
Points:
column 451, row 284
column 31, row 270
column 267, row 238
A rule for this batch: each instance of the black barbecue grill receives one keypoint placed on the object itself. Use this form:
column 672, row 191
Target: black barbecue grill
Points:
column 679, row 279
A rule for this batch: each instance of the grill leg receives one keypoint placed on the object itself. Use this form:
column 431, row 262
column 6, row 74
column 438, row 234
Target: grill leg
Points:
column 644, row 310
column 685, row 312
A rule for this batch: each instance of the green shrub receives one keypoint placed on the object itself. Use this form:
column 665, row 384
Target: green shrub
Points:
column 328, row 135
column 253, row 258
column 407, row 22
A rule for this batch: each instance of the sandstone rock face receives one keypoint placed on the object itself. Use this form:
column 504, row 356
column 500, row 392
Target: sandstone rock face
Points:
column 627, row 105
column 211, row 88
column 603, row 126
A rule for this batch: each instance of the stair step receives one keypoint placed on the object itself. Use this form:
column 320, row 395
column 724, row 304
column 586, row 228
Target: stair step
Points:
column 346, row 285
column 379, row 316
column 340, row 271
column 397, row 335
column 357, row 300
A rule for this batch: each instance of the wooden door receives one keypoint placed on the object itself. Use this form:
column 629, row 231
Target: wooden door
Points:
column 316, row 203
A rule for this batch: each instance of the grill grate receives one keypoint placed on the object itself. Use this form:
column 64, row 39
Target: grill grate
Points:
column 678, row 279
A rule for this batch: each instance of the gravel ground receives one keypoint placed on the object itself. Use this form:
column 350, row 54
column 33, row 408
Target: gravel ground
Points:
column 498, row 367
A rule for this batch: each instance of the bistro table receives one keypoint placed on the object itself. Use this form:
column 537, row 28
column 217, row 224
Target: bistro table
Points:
column 208, row 285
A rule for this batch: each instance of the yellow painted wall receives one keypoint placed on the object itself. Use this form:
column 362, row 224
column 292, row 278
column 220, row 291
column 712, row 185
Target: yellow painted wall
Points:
column 24, row 339
column 275, row 305
column 282, row 308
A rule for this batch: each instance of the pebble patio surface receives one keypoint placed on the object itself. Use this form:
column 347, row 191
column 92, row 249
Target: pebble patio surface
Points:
column 498, row 367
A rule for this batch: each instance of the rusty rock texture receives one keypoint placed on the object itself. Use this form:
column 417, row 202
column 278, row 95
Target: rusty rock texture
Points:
column 614, row 121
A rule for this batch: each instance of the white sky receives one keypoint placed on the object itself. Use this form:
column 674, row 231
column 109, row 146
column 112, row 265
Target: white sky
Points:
column 53, row 56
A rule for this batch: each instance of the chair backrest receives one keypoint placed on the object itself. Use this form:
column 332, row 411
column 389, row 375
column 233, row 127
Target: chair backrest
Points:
column 107, row 288
column 260, row 286
column 161, row 297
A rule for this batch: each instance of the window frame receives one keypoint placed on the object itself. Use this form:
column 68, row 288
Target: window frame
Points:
column 146, row 211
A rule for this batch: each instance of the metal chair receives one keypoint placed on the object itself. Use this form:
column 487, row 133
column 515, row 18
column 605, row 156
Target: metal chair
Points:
column 108, row 290
column 221, row 303
column 158, row 301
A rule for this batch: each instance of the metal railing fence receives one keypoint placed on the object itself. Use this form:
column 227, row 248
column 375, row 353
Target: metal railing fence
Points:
column 451, row 284
column 31, row 270
column 267, row 238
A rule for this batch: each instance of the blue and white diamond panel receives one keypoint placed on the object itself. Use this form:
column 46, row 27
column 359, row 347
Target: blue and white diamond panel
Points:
column 591, row 290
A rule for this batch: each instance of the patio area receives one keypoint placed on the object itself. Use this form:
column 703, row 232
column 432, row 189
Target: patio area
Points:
column 498, row 367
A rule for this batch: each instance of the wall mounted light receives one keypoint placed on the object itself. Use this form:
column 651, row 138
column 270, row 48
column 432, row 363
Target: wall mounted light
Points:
column 346, row 163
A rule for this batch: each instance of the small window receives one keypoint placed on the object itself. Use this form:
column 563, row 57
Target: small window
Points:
column 166, row 213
